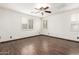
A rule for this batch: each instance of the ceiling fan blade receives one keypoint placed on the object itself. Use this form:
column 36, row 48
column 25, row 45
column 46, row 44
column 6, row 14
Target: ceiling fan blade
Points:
column 46, row 7
column 36, row 12
column 36, row 9
column 48, row 11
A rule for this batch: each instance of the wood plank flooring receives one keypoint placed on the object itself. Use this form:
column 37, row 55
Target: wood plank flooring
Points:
column 39, row 45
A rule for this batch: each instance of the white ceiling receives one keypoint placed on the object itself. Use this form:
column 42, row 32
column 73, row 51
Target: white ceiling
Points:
column 28, row 8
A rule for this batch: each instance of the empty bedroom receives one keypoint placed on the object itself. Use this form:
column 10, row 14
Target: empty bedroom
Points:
column 39, row 28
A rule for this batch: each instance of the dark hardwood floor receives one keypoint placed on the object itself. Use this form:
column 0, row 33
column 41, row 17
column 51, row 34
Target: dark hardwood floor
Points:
column 39, row 45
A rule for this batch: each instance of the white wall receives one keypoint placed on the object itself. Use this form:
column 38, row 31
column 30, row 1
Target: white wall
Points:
column 10, row 25
column 59, row 25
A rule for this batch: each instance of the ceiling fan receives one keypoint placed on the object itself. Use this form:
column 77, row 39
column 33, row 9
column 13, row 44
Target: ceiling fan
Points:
column 43, row 10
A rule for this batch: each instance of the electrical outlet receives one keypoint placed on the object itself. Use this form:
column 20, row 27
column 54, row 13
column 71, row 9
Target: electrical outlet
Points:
column 10, row 37
column 77, row 37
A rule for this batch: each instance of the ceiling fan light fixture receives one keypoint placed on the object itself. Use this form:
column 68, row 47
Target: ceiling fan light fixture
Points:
column 42, row 8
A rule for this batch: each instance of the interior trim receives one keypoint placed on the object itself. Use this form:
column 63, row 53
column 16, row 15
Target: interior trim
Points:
column 19, row 39
column 60, row 38
column 41, row 35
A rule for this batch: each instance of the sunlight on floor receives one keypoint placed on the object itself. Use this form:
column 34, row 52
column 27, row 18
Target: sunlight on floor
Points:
column 30, row 49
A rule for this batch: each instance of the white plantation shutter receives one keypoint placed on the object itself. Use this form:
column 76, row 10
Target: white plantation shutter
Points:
column 24, row 26
column 30, row 24
column 27, row 23
column 75, row 27
column 44, row 24
column 75, row 22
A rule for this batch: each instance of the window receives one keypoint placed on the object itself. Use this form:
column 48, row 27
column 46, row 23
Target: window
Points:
column 30, row 24
column 75, row 27
column 75, row 22
column 75, row 17
column 44, row 24
column 27, row 23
